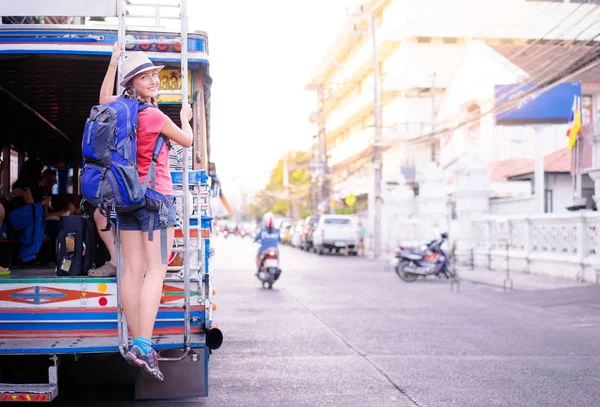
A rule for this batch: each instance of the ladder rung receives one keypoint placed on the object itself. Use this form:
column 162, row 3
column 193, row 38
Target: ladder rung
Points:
column 182, row 250
column 167, row 306
column 144, row 4
column 153, row 16
column 175, row 278
column 153, row 41
column 198, row 228
column 171, row 269
column 170, row 92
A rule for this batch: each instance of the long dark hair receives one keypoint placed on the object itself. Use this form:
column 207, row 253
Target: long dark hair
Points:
column 30, row 173
column 130, row 93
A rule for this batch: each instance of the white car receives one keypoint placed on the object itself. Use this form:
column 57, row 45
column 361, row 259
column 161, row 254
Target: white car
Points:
column 296, row 238
column 336, row 233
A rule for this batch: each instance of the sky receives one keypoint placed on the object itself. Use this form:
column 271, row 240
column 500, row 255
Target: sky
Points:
column 262, row 54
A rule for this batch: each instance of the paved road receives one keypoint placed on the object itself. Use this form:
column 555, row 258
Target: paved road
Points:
column 339, row 331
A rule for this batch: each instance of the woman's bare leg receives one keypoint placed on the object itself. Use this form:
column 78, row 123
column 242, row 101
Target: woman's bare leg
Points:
column 152, row 286
column 131, row 282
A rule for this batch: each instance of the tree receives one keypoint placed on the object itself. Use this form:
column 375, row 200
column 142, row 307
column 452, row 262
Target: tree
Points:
column 293, row 200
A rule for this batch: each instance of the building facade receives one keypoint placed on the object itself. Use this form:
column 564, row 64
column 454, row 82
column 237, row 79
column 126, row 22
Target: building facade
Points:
column 419, row 55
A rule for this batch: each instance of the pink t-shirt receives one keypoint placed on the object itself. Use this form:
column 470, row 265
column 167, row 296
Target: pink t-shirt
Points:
column 151, row 122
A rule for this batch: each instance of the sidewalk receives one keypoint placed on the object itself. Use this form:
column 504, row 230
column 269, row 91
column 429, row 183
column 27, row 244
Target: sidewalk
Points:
column 495, row 278
column 521, row 281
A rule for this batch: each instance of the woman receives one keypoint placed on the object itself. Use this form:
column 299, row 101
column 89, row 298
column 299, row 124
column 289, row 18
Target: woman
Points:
column 144, row 273
column 23, row 187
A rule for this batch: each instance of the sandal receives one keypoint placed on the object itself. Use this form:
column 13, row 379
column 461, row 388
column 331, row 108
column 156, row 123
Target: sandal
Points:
column 106, row 270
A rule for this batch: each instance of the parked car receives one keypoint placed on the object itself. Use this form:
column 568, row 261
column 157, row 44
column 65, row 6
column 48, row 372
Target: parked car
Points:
column 296, row 236
column 307, row 237
column 335, row 233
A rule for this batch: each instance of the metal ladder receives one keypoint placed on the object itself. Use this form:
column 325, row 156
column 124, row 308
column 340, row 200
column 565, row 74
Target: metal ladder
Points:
column 122, row 10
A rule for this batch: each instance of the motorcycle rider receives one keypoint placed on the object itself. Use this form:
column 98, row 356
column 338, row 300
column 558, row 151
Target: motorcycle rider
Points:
column 269, row 238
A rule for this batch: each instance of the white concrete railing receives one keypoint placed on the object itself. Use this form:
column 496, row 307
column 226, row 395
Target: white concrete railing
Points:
column 506, row 206
column 559, row 245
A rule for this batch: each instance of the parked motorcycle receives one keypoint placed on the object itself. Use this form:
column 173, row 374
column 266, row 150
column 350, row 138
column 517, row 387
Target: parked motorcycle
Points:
column 243, row 233
column 269, row 270
column 430, row 260
column 225, row 233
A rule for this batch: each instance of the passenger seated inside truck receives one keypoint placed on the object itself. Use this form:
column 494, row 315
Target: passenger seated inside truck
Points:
column 24, row 217
column 42, row 193
column 29, row 206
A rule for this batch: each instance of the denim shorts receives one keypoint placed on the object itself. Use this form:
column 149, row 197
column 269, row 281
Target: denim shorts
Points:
column 140, row 218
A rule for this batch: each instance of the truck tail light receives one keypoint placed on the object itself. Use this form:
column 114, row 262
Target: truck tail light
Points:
column 162, row 47
column 177, row 47
column 145, row 47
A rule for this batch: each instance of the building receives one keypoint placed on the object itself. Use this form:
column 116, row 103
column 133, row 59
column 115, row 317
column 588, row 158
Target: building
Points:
column 507, row 140
column 418, row 56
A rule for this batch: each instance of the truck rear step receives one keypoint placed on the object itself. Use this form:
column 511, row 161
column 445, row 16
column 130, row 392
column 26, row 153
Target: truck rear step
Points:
column 100, row 344
column 36, row 392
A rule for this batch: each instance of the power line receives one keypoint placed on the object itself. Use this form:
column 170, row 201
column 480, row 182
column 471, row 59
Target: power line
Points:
column 521, row 51
column 582, row 67
column 549, row 65
column 545, row 85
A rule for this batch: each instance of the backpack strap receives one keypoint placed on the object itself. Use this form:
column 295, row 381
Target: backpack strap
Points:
column 161, row 140
column 164, row 210
column 163, row 216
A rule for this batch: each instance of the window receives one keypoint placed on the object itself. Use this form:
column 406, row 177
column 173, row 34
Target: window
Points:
column 548, row 201
column 337, row 221
column 587, row 110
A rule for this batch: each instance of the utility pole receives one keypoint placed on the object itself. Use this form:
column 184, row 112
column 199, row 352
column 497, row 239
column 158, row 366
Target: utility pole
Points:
column 286, row 186
column 319, row 157
column 377, row 141
column 539, row 172
column 433, row 117
column 322, row 184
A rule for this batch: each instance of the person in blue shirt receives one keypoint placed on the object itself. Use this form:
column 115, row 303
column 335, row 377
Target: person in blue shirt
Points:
column 269, row 238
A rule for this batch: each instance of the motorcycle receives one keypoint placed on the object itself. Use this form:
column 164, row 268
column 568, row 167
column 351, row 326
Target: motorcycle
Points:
column 225, row 233
column 430, row 260
column 269, row 270
column 242, row 233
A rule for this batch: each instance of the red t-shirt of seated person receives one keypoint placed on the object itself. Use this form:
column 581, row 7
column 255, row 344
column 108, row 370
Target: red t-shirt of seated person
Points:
column 151, row 122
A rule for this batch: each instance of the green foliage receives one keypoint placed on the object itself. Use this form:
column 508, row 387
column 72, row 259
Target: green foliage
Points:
column 346, row 210
column 299, row 179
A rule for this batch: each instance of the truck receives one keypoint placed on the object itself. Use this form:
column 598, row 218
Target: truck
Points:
column 336, row 233
column 51, row 75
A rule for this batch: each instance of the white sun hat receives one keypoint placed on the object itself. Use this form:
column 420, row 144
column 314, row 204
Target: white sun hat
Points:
column 135, row 63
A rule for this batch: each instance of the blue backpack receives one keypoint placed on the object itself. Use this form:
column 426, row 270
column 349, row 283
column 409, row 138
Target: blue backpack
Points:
column 109, row 176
